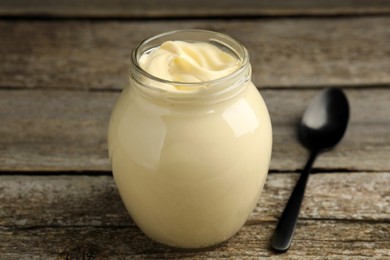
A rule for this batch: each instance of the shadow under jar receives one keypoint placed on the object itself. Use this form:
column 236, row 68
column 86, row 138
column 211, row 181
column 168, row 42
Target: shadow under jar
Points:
column 190, row 164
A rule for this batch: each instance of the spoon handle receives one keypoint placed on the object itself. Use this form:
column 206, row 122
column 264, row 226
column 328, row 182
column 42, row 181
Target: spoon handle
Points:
column 284, row 232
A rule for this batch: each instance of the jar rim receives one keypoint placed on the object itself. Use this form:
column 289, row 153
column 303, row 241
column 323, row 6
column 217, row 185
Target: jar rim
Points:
column 240, row 51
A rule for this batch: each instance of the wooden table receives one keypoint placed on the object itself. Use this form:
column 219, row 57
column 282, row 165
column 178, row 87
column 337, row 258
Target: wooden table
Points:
column 63, row 66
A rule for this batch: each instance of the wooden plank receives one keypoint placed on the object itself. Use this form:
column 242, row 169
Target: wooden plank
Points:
column 66, row 131
column 54, row 130
column 313, row 240
column 367, row 132
column 68, row 216
column 289, row 52
column 200, row 8
column 66, row 200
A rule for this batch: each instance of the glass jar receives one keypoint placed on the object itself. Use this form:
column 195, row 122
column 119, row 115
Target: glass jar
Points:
column 190, row 165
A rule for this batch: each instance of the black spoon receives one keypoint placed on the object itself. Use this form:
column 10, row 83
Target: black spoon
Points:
column 322, row 127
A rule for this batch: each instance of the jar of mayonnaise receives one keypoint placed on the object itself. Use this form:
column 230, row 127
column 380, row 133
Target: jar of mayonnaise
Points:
column 190, row 138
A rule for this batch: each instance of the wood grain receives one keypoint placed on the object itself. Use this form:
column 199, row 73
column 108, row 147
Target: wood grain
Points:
column 200, row 8
column 284, row 53
column 75, row 201
column 66, row 131
column 313, row 240
column 343, row 215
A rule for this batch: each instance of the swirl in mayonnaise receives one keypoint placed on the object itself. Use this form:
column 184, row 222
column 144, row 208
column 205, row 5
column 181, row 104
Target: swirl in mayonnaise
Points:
column 181, row 61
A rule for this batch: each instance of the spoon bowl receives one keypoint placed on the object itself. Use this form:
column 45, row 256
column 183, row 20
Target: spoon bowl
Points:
column 323, row 124
column 325, row 120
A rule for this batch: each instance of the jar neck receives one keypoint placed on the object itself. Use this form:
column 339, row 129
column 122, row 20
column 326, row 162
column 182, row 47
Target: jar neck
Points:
column 191, row 92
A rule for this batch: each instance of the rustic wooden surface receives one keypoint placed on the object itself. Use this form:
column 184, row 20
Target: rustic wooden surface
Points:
column 58, row 216
column 80, row 200
column 95, row 54
column 199, row 8
column 74, row 124
column 59, row 79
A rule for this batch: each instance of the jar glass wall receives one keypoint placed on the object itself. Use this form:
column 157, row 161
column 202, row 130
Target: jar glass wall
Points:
column 190, row 164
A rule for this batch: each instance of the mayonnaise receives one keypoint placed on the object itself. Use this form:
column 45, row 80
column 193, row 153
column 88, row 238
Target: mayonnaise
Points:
column 190, row 173
column 188, row 62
